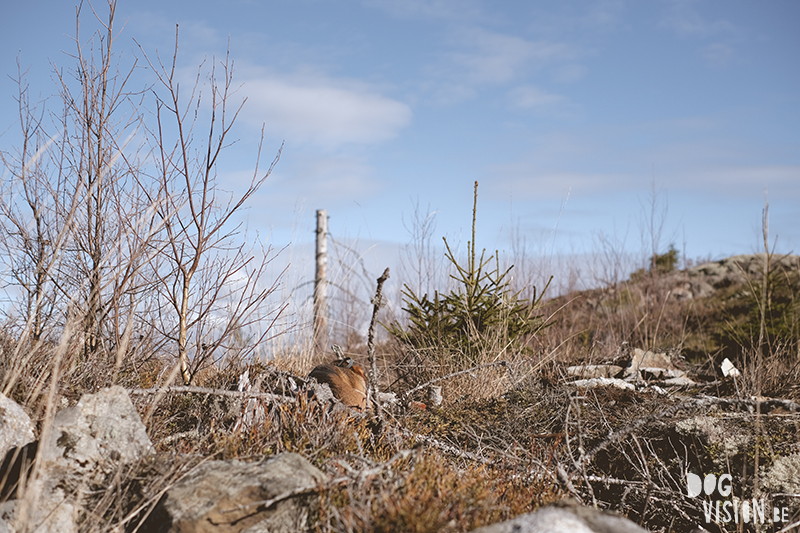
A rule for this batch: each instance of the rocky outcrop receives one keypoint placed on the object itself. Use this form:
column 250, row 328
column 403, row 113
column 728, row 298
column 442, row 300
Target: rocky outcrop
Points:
column 96, row 435
column 706, row 278
column 565, row 517
column 86, row 445
column 270, row 495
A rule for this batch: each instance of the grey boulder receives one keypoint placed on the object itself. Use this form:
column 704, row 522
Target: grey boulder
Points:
column 271, row 495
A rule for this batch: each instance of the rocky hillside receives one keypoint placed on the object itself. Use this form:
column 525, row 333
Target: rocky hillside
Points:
column 704, row 314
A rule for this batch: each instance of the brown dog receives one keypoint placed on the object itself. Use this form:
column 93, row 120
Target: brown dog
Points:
column 346, row 380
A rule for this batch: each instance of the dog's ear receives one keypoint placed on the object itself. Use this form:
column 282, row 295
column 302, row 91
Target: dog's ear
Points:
column 347, row 362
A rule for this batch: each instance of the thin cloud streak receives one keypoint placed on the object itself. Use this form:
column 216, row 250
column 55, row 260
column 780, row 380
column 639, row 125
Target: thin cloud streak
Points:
column 531, row 97
column 682, row 17
column 495, row 58
column 322, row 111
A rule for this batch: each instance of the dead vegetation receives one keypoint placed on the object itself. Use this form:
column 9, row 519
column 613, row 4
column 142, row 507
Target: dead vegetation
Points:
column 507, row 439
column 143, row 309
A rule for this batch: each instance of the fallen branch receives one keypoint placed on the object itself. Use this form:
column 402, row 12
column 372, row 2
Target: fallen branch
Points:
column 443, row 446
column 361, row 475
column 299, row 491
column 213, row 392
column 765, row 406
column 309, row 489
column 178, row 436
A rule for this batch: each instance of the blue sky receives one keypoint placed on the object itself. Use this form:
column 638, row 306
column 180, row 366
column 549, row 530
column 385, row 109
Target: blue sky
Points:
column 567, row 113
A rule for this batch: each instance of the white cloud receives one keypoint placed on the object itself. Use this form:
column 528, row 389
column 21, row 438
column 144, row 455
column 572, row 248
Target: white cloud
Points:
column 569, row 73
column 156, row 34
column 320, row 180
column 494, row 58
column 530, row 97
column 306, row 180
column 527, row 182
column 604, row 14
column 334, row 178
column 322, row 111
column 447, row 93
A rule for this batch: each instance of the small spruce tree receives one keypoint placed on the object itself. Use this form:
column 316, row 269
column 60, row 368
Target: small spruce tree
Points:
column 481, row 311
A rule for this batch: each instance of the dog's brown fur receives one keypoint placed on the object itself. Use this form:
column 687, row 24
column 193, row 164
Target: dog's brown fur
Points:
column 346, row 380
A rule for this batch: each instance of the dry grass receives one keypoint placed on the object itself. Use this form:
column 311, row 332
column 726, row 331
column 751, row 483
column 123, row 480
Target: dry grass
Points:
column 427, row 493
column 498, row 440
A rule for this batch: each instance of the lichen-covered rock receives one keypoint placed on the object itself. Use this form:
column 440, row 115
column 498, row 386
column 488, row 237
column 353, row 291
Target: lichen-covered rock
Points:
column 234, row 496
column 16, row 428
column 8, row 511
column 784, row 475
column 82, row 447
column 716, row 433
column 102, row 430
column 641, row 360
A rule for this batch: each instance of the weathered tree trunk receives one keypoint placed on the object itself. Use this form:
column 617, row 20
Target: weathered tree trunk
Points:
column 183, row 331
column 95, row 243
column 321, row 283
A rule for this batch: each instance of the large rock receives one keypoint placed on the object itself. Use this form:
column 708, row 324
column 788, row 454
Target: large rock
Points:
column 233, row 496
column 565, row 517
column 16, row 428
column 101, row 431
column 83, row 446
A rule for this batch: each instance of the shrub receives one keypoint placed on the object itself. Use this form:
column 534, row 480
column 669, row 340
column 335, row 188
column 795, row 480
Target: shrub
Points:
column 742, row 314
column 659, row 264
column 481, row 311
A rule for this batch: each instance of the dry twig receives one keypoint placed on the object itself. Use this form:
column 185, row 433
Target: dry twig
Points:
column 373, row 367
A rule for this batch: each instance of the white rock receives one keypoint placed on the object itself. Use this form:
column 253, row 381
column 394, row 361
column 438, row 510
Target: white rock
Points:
column 565, row 518
column 16, row 428
column 602, row 382
column 84, row 444
column 728, row 370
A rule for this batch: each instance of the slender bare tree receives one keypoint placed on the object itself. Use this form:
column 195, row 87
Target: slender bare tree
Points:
column 26, row 213
column 120, row 223
column 101, row 116
column 211, row 280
